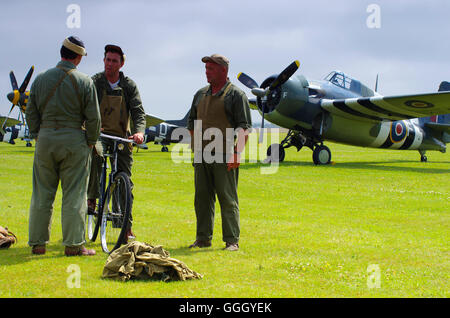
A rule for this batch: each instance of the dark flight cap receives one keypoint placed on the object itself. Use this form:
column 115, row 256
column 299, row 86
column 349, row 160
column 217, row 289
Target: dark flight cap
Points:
column 116, row 49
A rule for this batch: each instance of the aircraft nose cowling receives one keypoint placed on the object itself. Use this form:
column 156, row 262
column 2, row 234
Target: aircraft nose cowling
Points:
column 10, row 96
column 286, row 99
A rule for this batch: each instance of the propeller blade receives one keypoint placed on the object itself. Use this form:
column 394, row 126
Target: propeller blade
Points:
column 376, row 84
column 26, row 80
column 285, row 75
column 13, row 81
column 247, row 80
column 3, row 125
column 261, row 134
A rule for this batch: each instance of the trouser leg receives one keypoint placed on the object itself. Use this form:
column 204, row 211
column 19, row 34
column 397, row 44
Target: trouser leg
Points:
column 45, row 184
column 226, row 183
column 124, row 164
column 93, row 191
column 204, row 202
column 74, row 173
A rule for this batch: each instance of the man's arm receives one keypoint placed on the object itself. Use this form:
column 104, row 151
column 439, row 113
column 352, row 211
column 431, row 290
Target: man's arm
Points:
column 243, row 122
column 137, row 113
column 32, row 114
column 92, row 114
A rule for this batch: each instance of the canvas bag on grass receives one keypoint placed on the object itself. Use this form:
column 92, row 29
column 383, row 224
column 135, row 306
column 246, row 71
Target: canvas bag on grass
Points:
column 7, row 238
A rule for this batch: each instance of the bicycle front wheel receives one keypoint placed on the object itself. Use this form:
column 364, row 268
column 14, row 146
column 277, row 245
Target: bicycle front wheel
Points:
column 115, row 218
column 92, row 224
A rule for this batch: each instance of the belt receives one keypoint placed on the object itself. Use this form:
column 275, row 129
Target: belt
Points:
column 60, row 124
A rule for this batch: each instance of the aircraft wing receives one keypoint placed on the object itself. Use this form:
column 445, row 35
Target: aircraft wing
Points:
column 391, row 108
column 253, row 104
column 439, row 127
column 9, row 121
column 153, row 120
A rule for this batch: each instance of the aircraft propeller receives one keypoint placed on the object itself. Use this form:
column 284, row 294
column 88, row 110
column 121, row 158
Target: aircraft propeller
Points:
column 261, row 92
column 18, row 97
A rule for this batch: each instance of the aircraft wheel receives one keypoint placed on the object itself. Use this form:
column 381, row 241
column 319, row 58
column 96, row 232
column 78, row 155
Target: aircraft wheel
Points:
column 274, row 148
column 423, row 158
column 165, row 149
column 321, row 155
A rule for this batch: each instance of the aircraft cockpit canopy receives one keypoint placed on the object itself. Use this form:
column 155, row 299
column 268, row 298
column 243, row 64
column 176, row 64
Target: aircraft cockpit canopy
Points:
column 343, row 80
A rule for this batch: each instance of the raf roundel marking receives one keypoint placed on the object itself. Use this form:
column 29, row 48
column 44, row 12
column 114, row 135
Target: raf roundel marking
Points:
column 399, row 131
column 418, row 104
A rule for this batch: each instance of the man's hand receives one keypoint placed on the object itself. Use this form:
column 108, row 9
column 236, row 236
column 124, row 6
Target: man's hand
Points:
column 234, row 161
column 137, row 138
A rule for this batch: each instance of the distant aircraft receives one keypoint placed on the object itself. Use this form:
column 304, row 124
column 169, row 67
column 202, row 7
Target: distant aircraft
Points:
column 342, row 109
column 161, row 133
column 11, row 128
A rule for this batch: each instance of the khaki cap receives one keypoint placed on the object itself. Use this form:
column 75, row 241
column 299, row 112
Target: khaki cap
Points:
column 216, row 58
column 74, row 47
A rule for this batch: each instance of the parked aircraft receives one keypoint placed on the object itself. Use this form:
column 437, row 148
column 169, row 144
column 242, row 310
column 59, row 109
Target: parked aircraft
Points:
column 10, row 128
column 161, row 133
column 340, row 108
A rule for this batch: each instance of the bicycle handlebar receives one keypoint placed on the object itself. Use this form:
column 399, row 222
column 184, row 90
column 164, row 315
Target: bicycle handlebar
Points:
column 117, row 138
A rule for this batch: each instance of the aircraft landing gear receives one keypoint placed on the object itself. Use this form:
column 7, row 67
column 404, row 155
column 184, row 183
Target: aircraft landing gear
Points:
column 165, row 149
column 423, row 158
column 293, row 138
column 275, row 153
column 321, row 155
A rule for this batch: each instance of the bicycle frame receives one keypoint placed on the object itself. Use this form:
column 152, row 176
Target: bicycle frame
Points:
column 113, row 154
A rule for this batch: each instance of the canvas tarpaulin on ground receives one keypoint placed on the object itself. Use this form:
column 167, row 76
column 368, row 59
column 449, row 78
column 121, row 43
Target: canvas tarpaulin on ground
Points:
column 138, row 260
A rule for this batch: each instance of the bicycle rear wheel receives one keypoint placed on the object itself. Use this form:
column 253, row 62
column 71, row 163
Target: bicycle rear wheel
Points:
column 115, row 218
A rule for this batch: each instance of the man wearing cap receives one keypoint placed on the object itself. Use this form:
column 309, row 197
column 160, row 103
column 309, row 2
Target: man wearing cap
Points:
column 122, row 115
column 220, row 107
column 63, row 115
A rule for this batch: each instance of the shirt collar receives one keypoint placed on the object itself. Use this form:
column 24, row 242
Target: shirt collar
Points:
column 219, row 93
column 66, row 64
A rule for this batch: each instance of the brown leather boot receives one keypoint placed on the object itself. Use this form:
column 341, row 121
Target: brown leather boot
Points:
column 78, row 251
column 38, row 250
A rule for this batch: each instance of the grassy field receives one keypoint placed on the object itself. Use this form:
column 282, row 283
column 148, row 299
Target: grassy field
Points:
column 375, row 223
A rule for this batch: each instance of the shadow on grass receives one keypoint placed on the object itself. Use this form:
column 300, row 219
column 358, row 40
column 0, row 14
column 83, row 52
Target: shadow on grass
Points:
column 366, row 165
column 18, row 255
column 184, row 250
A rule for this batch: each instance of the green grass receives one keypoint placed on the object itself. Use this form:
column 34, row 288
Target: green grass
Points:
column 306, row 231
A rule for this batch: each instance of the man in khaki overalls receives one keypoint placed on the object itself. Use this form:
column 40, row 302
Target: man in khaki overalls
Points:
column 120, row 104
column 63, row 115
column 218, row 108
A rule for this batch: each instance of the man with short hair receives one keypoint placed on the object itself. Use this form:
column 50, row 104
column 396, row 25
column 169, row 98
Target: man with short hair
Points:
column 63, row 115
column 122, row 115
column 218, row 107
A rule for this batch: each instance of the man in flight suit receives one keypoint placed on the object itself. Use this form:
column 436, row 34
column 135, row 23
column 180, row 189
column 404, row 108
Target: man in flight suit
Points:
column 122, row 115
column 63, row 115
column 220, row 106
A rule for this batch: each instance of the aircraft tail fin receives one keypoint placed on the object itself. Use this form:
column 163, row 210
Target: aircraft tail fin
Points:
column 179, row 122
column 444, row 86
column 439, row 124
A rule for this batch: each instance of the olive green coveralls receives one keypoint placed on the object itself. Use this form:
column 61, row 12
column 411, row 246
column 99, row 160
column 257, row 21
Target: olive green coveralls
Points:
column 229, row 108
column 63, row 113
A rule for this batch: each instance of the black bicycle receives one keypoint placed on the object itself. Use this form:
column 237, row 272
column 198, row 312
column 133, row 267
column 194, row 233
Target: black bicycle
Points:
column 113, row 211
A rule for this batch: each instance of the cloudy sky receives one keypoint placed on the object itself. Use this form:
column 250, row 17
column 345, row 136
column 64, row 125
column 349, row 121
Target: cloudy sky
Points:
column 406, row 42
